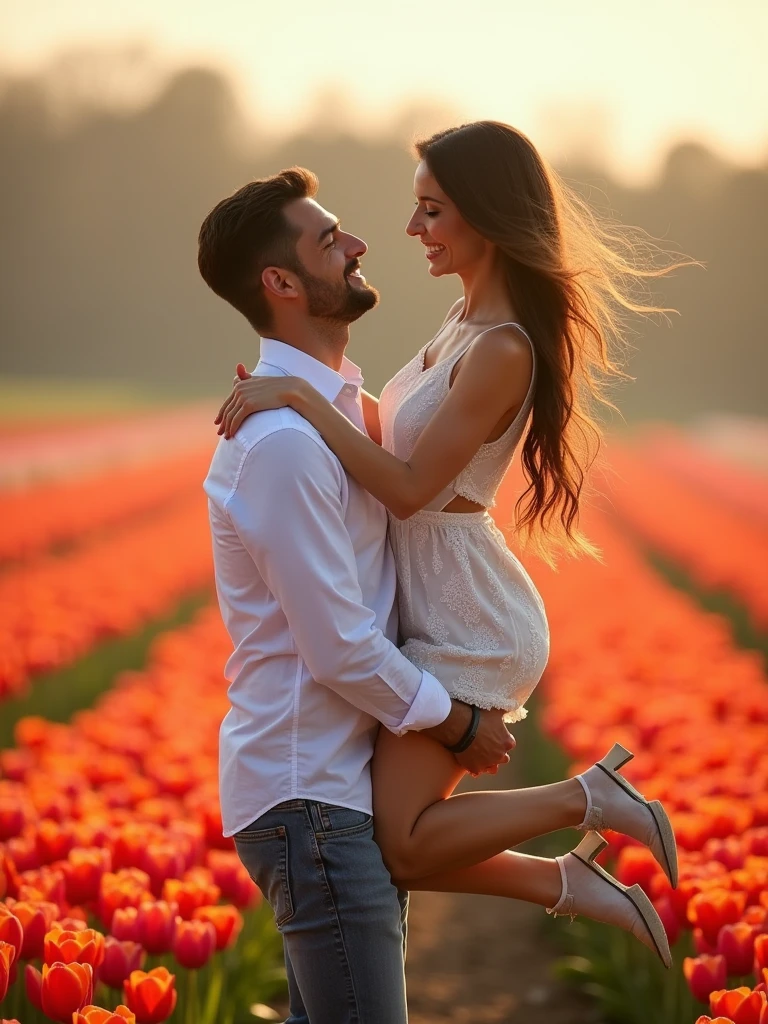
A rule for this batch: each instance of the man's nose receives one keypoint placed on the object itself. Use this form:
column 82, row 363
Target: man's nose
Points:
column 356, row 247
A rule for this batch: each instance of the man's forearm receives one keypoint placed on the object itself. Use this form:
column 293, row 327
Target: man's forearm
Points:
column 450, row 731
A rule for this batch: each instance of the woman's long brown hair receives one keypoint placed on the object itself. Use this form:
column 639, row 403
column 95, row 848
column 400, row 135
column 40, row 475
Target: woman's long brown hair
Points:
column 571, row 279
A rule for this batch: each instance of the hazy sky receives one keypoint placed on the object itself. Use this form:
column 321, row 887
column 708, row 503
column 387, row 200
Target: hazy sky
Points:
column 636, row 74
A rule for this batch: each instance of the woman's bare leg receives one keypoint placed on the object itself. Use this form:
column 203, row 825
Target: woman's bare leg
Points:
column 514, row 875
column 423, row 830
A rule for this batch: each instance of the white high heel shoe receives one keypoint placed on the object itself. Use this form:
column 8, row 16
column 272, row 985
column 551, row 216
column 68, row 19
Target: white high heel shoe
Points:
column 613, row 803
column 591, row 891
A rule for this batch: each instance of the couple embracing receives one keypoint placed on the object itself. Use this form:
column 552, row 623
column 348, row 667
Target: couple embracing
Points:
column 384, row 635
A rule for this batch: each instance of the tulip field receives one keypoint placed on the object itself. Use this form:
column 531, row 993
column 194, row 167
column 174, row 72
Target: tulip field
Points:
column 119, row 899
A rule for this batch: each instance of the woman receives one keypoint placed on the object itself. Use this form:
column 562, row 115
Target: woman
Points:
column 441, row 438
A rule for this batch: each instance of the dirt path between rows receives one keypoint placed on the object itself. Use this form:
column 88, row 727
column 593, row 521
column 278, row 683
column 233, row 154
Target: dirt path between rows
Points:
column 482, row 960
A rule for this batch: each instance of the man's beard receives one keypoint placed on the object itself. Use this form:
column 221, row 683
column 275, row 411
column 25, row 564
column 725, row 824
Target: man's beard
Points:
column 341, row 303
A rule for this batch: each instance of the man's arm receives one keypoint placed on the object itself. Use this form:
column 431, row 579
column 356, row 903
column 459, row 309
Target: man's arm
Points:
column 287, row 511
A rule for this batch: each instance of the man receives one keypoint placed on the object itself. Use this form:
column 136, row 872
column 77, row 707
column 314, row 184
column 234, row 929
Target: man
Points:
column 306, row 584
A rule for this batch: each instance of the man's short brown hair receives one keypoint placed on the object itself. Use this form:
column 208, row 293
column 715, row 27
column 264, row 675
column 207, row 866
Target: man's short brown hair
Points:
column 247, row 232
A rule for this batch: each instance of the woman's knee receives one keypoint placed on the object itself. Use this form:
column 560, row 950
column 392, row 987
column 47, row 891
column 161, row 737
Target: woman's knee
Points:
column 400, row 856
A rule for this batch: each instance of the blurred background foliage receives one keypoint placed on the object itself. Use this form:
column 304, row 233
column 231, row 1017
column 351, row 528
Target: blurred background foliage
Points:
column 101, row 201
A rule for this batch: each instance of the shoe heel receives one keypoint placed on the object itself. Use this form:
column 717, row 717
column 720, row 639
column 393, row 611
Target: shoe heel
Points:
column 589, row 847
column 616, row 758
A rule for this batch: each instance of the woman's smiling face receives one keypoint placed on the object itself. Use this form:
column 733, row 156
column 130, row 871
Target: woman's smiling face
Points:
column 451, row 245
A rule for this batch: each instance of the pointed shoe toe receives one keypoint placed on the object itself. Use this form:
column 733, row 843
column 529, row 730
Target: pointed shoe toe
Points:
column 615, row 804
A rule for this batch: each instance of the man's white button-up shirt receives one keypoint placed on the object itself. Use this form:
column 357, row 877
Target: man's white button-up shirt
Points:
column 306, row 584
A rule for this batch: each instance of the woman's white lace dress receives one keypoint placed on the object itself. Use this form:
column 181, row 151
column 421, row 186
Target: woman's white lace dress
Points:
column 469, row 612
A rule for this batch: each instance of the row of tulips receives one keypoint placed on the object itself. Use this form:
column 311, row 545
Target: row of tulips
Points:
column 718, row 547
column 36, row 519
column 637, row 662
column 60, row 450
column 55, row 608
column 112, row 863
column 737, row 487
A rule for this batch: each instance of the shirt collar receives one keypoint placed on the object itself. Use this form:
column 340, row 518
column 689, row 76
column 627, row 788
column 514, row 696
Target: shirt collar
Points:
column 299, row 364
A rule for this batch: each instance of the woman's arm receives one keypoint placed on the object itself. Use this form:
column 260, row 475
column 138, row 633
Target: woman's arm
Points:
column 493, row 380
column 371, row 416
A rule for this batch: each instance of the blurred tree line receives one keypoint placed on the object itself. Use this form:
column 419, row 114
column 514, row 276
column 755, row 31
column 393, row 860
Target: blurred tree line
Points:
column 100, row 205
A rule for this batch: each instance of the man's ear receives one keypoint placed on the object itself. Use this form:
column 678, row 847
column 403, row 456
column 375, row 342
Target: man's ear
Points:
column 279, row 282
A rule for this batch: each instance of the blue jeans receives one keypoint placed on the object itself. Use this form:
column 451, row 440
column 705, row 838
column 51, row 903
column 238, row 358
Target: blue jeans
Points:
column 342, row 920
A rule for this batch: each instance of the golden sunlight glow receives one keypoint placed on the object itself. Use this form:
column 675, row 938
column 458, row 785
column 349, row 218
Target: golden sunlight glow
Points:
column 620, row 80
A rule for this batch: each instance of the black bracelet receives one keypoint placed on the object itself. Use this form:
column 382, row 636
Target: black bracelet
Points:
column 468, row 738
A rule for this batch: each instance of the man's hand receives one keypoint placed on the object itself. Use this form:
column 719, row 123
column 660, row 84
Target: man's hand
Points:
column 490, row 747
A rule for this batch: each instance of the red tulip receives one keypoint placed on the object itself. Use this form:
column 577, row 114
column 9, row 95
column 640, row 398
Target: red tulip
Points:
column 53, row 840
column 736, row 942
column 33, row 984
column 761, row 952
column 120, row 958
column 97, row 1015
column 704, row 974
column 668, row 917
column 7, row 957
column 83, row 870
column 125, row 924
column 231, row 876
column 11, row 930
column 151, row 995
column 740, row 1005
column 156, row 925
column 65, row 988
column 194, row 943
column 162, row 861
column 226, row 919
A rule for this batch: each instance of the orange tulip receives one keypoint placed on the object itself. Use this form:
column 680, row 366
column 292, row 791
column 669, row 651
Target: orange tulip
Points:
column 226, row 919
column 36, row 920
column 194, row 943
column 156, row 925
column 126, row 888
column 761, row 952
column 151, row 995
column 120, row 958
column 636, row 864
column 714, row 908
column 704, row 974
column 7, row 957
column 53, row 840
column 190, row 894
column 85, row 946
column 713, row 1020
column 96, row 1015
column 65, row 988
column 741, row 1005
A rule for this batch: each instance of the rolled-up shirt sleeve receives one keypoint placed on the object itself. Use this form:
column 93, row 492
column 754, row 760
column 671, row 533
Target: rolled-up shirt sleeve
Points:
column 287, row 511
